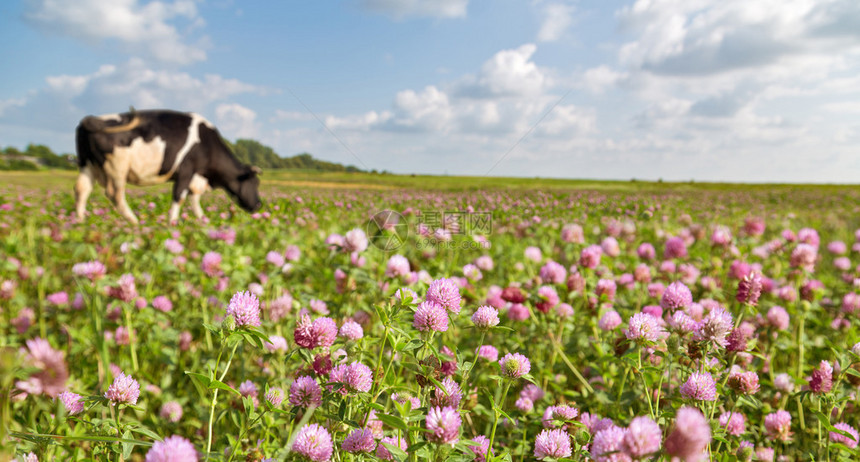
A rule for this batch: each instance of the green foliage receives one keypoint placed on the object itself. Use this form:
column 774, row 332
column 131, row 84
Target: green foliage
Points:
column 35, row 156
column 255, row 153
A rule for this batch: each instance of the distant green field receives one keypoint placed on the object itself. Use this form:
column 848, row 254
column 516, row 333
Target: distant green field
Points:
column 299, row 179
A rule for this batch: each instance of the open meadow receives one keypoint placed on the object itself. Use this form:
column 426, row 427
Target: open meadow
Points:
column 365, row 317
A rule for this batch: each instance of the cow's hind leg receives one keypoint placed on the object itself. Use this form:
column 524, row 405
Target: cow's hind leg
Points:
column 83, row 188
column 117, row 172
column 120, row 202
column 195, row 205
column 180, row 192
column 198, row 186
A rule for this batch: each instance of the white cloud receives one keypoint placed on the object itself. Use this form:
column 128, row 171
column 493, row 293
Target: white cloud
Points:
column 148, row 28
column 507, row 73
column 600, row 78
column 236, row 121
column 556, row 18
column 401, row 9
column 428, row 110
column 704, row 37
column 65, row 99
column 361, row 122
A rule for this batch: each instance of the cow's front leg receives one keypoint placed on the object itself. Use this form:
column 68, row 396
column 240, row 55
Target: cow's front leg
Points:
column 180, row 191
column 198, row 185
column 122, row 205
column 195, row 205
column 83, row 188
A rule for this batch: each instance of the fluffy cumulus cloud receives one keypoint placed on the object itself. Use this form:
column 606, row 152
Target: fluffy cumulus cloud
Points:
column 146, row 28
column 508, row 95
column 56, row 107
column 237, row 121
column 401, row 9
column 712, row 82
column 484, row 114
column 555, row 19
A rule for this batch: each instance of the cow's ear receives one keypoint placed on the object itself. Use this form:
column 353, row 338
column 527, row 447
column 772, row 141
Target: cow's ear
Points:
column 256, row 170
column 247, row 174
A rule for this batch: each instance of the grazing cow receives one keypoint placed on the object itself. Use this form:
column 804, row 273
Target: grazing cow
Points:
column 152, row 147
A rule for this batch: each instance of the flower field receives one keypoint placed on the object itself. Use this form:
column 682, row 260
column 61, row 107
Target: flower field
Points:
column 433, row 323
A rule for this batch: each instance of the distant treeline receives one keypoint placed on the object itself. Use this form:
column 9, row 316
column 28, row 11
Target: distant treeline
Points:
column 37, row 156
column 34, row 157
column 255, row 153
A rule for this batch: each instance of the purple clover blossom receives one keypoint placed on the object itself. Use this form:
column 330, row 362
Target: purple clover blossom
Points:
column 172, row 449
column 734, row 423
column 643, row 327
column 445, row 292
column 244, row 307
column 383, row 453
column 351, row 330
column 851, row 442
column 552, row 444
column 359, row 440
column 676, row 296
column 124, row 389
column 430, row 316
column 715, row 327
column 443, row 425
column 749, row 289
column 700, row 387
column 485, row 317
column 313, row 442
column 822, row 378
column 91, row 270
column 449, row 395
column 481, row 450
column 690, row 436
column 305, row 392
column 778, row 425
column 488, row 352
column 354, row 377
column 643, row 438
column 553, row 273
column 609, row 321
column 171, row 411
column 73, row 402
column 608, row 445
column 514, row 365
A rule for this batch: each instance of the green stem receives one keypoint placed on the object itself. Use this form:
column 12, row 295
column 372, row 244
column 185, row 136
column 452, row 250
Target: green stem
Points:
column 799, row 342
column 554, row 353
column 497, row 414
column 132, row 341
column 572, row 368
column 242, row 435
column 465, row 381
column 645, row 385
column 215, row 398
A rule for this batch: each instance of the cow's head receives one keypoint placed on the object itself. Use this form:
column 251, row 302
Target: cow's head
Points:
column 247, row 188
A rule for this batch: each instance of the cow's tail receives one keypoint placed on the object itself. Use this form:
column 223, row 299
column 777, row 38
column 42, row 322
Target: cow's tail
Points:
column 82, row 141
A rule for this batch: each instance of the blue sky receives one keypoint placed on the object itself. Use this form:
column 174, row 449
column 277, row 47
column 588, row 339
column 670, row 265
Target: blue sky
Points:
column 724, row 90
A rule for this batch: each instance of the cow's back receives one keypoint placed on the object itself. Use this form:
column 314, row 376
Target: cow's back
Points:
column 150, row 142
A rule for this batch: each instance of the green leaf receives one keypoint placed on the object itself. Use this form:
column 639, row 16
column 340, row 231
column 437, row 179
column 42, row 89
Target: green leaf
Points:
column 200, row 378
column 825, row 421
column 413, row 344
column 126, row 447
column 341, row 411
column 393, row 422
column 222, row 386
column 399, row 454
column 146, row 432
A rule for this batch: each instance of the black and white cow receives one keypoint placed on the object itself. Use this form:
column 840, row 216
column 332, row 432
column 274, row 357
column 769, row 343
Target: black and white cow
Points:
column 152, row 147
